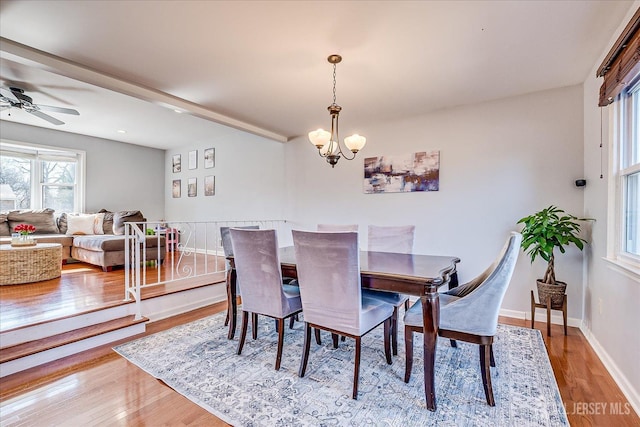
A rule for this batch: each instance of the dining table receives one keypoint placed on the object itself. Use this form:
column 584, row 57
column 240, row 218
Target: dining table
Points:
column 411, row 274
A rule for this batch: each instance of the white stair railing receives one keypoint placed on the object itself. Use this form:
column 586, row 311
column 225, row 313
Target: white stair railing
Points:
column 172, row 251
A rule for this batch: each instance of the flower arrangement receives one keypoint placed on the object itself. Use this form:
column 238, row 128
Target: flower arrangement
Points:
column 24, row 229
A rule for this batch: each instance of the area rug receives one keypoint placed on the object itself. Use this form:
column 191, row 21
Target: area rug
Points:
column 198, row 361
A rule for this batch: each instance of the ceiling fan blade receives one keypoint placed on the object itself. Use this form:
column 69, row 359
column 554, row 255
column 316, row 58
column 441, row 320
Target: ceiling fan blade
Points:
column 46, row 117
column 58, row 109
column 6, row 93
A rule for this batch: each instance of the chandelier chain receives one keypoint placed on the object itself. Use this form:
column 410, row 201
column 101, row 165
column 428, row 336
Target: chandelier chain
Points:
column 334, row 84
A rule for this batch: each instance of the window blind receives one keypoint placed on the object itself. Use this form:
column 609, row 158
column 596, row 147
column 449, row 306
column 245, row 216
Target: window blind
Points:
column 622, row 62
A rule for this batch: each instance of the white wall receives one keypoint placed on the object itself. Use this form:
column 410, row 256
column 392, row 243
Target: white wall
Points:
column 250, row 180
column 119, row 176
column 613, row 332
column 499, row 161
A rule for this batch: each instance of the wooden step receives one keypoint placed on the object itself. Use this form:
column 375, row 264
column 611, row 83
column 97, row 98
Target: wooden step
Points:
column 31, row 347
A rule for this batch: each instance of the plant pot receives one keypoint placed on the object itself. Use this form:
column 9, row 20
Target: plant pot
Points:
column 556, row 291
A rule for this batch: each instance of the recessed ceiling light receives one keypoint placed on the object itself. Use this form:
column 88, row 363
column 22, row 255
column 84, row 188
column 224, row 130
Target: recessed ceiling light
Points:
column 122, row 131
column 177, row 111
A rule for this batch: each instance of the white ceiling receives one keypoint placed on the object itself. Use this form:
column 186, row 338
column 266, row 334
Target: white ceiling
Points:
column 261, row 65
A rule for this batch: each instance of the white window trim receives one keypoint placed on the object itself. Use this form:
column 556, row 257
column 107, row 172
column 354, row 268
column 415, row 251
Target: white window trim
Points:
column 620, row 261
column 79, row 196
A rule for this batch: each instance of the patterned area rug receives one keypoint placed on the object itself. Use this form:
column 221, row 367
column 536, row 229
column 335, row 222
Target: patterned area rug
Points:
column 199, row 362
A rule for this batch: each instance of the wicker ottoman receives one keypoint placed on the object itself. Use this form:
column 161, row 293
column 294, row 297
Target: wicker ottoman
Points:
column 29, row 264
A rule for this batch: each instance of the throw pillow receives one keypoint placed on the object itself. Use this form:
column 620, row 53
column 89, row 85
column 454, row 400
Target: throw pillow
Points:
column 119, row 218
column 62, row 222
column 4, row 225
column 42, row 219
column 80, row 224
column 98, row 221
column 107, row 223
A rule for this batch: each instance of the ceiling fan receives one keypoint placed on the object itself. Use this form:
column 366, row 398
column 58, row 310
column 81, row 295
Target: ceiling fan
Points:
column 15, row 97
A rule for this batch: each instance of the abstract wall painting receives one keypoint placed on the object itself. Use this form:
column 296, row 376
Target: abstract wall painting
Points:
column 402, row 174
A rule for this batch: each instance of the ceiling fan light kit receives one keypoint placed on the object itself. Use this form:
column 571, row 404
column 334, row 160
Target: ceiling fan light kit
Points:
column 328, row 143
column 15, row 97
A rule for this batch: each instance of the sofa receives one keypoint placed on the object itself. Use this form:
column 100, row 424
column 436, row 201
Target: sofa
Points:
column 96, row 239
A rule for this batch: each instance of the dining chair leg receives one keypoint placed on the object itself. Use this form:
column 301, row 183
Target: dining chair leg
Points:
column 406, row 305
column 491, row 359
column 317, row 334
column 486, row 374
column 280, row 342
column 408, row 344
column 356, row 370
column 394, row 331
column 243, row 330
column 334, row 338
column 387, row 346
column 305, row 351
column 254, row 325
column 454, row 343
column 292, row 320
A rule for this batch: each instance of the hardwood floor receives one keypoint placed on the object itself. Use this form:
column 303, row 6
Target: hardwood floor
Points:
column 84, row 287
column 98, row 387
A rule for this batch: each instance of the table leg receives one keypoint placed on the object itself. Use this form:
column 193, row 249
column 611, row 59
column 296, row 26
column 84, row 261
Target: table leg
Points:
column 232, row 301
column 431, row 318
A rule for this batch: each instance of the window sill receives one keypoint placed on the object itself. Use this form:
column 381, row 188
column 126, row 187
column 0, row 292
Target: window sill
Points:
column 630, row 270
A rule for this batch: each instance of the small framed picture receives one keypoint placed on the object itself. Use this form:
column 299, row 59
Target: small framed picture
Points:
column 209, row 158
column 209, row 185
column 176, row 189
column 176, row 162
column 192, row 187
column 193, row 159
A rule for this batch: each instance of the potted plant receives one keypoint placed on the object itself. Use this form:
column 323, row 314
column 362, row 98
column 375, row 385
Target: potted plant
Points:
column 544, row 231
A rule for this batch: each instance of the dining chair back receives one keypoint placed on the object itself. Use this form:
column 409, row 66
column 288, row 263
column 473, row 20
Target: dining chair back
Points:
column 257, row 266
column 328, row 266
column 338, row 227
column 225, row 237
column 398, row 239
column 471, row 314
column 227, row 248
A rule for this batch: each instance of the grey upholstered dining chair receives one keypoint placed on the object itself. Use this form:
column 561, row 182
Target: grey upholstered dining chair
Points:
column 258, row 268
column 470, row 312
column 227, row 248
column 397, row 239
column 328, row 267
column 337, row 227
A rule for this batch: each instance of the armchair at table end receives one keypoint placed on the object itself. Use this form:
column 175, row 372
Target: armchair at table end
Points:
column 328, row 267
column 258, row 268
column 470, row 312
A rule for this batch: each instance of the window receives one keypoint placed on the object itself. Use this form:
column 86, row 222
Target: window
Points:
column 625, row 178
column 37, row 177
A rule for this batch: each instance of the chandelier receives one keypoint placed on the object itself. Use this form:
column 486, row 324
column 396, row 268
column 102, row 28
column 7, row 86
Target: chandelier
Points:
column 328, row 143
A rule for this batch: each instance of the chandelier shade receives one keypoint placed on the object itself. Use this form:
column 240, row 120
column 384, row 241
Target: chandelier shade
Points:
column 328, row 143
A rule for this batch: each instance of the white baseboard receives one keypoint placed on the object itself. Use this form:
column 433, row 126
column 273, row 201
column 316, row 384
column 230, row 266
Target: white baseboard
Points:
column 630, row 392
